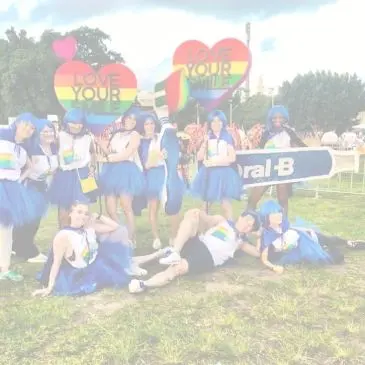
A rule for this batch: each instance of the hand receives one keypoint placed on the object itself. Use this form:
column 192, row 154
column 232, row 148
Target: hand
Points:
column 278, row 269
column 95, row 216
column 92, row 170
column 101, row 158
column 208, row 163
column 164, row 154
column 100, row 141
column 45, row 292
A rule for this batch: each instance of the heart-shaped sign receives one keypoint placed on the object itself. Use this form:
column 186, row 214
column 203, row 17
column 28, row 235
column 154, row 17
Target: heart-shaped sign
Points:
column 213, row 74
column 65, row 48
column 105, row 94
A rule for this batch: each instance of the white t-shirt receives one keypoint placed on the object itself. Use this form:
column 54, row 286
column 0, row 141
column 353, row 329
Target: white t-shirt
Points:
column 221, row 241
column 120, row 142
column 286, row 242
column 85, row 247
column 217, row 148
column 279, row 140
column 12, row 159
column 43, row 167
column 74, row 152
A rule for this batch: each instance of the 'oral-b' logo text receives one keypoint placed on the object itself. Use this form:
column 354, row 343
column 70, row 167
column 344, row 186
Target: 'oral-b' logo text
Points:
column 284, row 167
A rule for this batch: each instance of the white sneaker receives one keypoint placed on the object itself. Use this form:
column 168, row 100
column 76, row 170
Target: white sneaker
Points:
column 173, row 258
column 136, row 286
column 166, row 251
column 39, row 259
column 135, row 270
column 157, row 244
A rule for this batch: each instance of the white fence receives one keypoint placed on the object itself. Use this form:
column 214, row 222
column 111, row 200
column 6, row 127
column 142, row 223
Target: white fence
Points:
column 341, row 183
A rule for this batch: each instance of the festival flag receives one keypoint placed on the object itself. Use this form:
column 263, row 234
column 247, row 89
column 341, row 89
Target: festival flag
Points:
column 173, row 92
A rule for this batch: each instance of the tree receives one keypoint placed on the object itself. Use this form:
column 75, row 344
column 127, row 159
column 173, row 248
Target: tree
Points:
column 253, row 110
column 324, row 100
column 27, row 68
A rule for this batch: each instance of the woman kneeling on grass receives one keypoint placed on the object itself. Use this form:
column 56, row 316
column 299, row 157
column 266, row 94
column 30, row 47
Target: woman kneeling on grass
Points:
column 89, row 254
column 284, row 244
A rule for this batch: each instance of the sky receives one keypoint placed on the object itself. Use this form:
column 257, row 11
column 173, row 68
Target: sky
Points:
column 290, row 37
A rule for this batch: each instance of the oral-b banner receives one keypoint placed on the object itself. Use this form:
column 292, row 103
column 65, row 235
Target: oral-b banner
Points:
column 270, row 167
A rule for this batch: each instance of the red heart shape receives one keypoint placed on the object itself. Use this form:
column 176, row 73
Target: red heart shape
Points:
column 213, row 74
column 106, row 93
column 65, row 48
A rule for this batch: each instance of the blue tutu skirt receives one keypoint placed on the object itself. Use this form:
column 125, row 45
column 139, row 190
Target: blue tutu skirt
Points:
column 19, row 205
column 215, row 184
column 107, row 271
column 308, row 252
column 66, row 189
column 122, row 178
column 155, row 179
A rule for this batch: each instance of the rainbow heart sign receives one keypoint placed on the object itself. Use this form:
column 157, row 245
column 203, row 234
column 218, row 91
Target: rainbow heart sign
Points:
column 213, row 73
column 106, row 93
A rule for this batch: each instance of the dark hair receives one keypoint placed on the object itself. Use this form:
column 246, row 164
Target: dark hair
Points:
column 255, row 216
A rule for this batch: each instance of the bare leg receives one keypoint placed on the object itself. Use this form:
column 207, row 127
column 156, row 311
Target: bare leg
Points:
column 282, row 192
column 119, row 236
column 165, row 277
column 111, row 207
column 174, row 225
column 141, row 260
column 63, row 218
column 126, row 202
column 227, row 209
column 206, row 206
column 188, row 228
column 255, row 196
column 6, row 242
column 153, row 206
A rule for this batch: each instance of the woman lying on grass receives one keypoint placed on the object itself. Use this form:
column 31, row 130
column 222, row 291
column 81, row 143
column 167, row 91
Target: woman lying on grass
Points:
column 89, row 254
column 282, row 244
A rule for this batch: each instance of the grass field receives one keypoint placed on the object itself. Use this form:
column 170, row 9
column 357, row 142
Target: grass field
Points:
column 242, row 315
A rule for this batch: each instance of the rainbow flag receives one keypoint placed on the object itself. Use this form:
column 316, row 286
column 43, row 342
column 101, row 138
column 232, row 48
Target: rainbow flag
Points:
column 172, row 92
column 68, row 156
column 221, row 233
column 7, row 161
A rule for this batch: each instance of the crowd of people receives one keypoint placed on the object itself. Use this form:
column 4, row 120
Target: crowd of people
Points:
column 42, row 167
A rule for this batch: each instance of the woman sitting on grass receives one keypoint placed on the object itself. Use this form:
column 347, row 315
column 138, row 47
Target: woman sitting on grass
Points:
column 90, row 254
column 282, row 244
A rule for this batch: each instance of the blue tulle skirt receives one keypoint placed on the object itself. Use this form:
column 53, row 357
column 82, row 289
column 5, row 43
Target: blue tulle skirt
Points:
column 19, row 205
column 215, row 184
column 155, row 179
column 122, row 178
column 308, row 251
column 107, row 271
column 66, row 188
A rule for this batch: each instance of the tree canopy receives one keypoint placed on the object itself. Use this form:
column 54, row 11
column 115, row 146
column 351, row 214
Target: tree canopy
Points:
column 324, row 100
column 27, row 68
column 321, row 100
